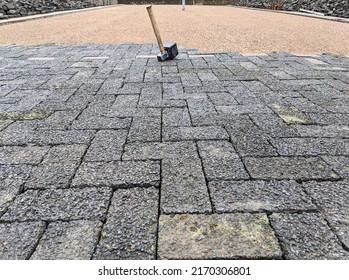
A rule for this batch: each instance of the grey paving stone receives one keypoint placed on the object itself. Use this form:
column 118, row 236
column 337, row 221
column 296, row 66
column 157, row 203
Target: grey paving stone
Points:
column 339, row 164
column 296, row 168
column 311, row 146
column 22, row 155
column 5, row 123
column 17, row 133
column 111, row 86
column 221, row 162
column 60, row 204
column 59, row 120
column 160, row 150
column 106, row 146
column 336, row 131
column 18, row 240
column 176, row 117
column 194, row 133
column 222, row 99
column 200, row 109
column 57, row 137
column 131, row 228
column 243, row 109
column 291, row 114
column 145, row 129
column 183, row 187
column 273, row 125
column 261, row 196
column 12, row 178
column 118, row 174
column 226, row 236
column 306, row 237
column 101, row 122
column 247, row 138
column 124, row 106
column 255, row 86
column 74, row 240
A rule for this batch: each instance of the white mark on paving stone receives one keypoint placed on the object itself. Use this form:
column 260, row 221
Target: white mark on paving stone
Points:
column 94, row 57
column 315, row 61
column 146, row 56
column 41, row 58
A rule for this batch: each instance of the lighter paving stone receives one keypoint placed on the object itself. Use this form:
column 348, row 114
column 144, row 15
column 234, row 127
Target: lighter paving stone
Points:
column 306, row 237
column 118, row 174
column 74, row 240
column 220, row 160
column 59, row 204
column 18, row 240
column 335, row 131
column 145, row 129
column 176, row 117
column 290, row 114
column 289, row 168
column 226, row 236
column 131, row 228
column 262, row 196
column 183, row 187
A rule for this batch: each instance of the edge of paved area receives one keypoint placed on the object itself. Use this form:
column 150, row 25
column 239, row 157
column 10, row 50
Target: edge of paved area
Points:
column 338, row 19
column 60, row 13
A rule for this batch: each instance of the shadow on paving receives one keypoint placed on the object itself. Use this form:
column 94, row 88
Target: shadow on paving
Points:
column 106, row 153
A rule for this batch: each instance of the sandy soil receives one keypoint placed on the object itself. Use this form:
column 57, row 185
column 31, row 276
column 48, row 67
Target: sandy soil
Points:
column 207, row 28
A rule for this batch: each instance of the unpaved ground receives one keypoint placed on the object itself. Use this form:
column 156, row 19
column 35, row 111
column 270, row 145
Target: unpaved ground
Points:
column 208, row 28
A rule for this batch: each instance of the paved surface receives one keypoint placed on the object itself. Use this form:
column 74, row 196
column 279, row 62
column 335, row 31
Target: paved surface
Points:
column 207, row 28
column 108, row 154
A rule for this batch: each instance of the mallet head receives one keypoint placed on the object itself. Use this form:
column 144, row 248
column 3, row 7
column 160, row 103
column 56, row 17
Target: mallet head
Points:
column 171, row 51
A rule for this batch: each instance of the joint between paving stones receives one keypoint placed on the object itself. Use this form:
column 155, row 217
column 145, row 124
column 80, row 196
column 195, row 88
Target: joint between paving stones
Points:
column 38, row 240
column 283, row 251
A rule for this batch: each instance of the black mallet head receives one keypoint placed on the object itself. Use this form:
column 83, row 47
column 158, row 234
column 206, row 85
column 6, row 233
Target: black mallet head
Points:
column 171, row 51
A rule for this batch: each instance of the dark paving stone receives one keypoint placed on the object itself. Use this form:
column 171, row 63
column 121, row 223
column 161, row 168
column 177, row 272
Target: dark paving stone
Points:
column 74, row 240
column 131, row 228
column 289, row 168
column 59, row 204
column 194, row 133
column 18, row 240
column 145, row 129
column 183, row 187
column 262, row 196
column 22, row 155
column 306, row 236
column 106, row 146
column 118, row 174
column 12, row 178
column 226, row 236
column 221, row 162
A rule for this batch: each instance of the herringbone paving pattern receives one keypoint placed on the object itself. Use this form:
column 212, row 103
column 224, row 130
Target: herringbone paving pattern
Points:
column 106, row 153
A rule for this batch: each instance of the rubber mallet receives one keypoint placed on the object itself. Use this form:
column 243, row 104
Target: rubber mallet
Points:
column 167, row 50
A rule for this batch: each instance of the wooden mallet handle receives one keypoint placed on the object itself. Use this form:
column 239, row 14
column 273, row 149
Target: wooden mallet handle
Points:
column 156, row 29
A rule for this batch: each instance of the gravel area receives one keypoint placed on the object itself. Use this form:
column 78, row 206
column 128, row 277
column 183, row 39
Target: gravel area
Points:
column 207, row 28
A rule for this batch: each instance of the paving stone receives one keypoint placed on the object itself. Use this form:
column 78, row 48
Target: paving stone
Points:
column 255, row 86
column 22, row 155
column 59, row 120
column 247, row 138
column 160, row 150
column 194, row 133
column 124, row 106
column 183, row 187
column 111, row 86
column 222, row 99
column 306, row 237
column 311, row 146
column 339, row 164
column 131, row 228
column 273, row 125
column 12, row 178
column 106, row 146
column 261, row 196
column 226, row 236
column 200, row 109
column 221, row 162
column 145, row 129
column 18, row 240
column 290, row 114
column 17, row 133
column 18, row 115
column 289, row 168
column 57, row 137
column 176, row 117
column 118, row 174
column 336, row 131
column 60, row 204
column 100, row 122
column 74, row 240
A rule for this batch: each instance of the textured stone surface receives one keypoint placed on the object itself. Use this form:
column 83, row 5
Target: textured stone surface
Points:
column 118, row 174
column 22, row 155
column 228, row 236
column 194, row 133
column 18, row 240
column 307, row 236
column 131, row 228
column 73, row 240
column 60, row 204
column 262, row 196
column 297, row 168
